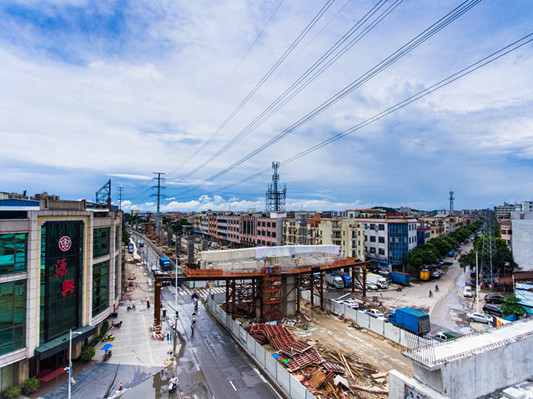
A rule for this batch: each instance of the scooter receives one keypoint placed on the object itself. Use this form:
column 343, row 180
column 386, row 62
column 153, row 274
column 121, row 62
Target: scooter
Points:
column 117, row 325
column 173, row 384
column 131, row 307
column 106, row 356
column 110, row 337
column 113, row 315
column 399, row 289
column 196, row 305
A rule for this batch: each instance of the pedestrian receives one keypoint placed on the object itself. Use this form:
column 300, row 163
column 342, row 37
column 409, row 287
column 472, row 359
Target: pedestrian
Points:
column 147, row 303
column 437, row 288
column 430, row 293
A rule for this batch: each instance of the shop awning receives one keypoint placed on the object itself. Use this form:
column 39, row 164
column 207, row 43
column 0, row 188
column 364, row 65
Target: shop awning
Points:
column 61, row 343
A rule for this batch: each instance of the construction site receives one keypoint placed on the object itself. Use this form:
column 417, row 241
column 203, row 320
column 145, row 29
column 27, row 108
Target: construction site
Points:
column 269, row 291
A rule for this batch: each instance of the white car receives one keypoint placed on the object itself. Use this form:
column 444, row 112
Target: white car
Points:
column 351, row 303
column 378, row 314
column 371, row 286
column 467, row 292
column 479, row 317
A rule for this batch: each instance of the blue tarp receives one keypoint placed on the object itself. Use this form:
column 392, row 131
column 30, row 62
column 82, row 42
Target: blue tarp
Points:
column 106, row 347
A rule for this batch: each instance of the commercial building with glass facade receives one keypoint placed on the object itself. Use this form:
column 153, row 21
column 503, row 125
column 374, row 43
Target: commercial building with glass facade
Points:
column 60, row 270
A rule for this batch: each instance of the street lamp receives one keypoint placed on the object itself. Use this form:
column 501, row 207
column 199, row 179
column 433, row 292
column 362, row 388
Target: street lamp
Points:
column 70, row 358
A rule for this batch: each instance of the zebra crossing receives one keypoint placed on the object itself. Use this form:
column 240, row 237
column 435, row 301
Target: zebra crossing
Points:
column 186, row 291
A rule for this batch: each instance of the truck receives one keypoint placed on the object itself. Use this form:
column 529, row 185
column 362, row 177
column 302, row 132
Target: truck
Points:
column 345, row 277
column 424, row 274
column 164, row 264
column 380, row 281
column 411, row 320
column 334, row 281
column 401, row 278
column 130, row 247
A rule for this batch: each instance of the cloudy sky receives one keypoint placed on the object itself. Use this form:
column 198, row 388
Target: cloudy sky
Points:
column 211, row 92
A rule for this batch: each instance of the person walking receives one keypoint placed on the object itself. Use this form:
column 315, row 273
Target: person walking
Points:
column 147, row 303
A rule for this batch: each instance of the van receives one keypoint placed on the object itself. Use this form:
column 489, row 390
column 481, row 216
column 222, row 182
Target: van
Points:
column 467, row 292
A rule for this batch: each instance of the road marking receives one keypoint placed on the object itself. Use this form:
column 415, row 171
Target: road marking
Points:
column 342, row 296
column 233, row 385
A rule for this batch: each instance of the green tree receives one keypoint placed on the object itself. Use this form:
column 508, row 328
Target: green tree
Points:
column 31, row 385
column 510, row 306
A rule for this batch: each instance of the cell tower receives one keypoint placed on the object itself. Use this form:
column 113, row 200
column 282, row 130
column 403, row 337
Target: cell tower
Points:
column 451, row 202
column 488, row 252
column 275, row 200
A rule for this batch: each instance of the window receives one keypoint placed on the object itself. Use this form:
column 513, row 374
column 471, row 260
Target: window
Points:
column 381, row 227
column 12, row 316
column 268, row 224
column 101, row 242
column 372, row 239
column 372, row 226
column 372, row 250
column 12, row 253
column 381, row 240
column 100, row 287
column 273, row 224
column 381, row 251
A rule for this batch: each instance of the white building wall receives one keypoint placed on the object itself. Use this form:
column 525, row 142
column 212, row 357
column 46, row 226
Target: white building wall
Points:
column 522, row 239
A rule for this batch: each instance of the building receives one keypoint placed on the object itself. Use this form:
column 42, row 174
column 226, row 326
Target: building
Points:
column 348, row 234
column 504, row 211
column 60, row 270
column 505, row 231
column 522, row 239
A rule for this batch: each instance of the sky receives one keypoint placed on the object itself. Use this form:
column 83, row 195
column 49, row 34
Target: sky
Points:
column 210, row 93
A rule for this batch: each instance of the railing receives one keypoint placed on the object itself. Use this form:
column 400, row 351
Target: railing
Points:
column 277, row 373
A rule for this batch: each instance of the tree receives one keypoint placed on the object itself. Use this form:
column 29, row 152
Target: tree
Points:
column 511, row 306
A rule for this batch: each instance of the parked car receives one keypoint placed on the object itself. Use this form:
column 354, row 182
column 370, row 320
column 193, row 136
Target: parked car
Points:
column 351, row 303
column 436, row 274
column 467, row 292
column 371, row 286
column 446, row 336
column 378, row 314
column 493, row 298
column 491, row 308
column 479, row 317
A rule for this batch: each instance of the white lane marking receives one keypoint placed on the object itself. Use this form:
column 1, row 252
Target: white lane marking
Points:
column 233, row 385
column 342, row 296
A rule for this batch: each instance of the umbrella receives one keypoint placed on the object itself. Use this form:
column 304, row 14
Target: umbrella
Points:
column 106, row 347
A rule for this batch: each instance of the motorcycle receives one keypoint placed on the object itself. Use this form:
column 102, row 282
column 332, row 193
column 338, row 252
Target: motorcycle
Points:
column 131, row 307
column 196, row 305
column 117, row 325
column 399, row 289
column 172, row 384
column 109, row 337
column 113, row 315
column 106, row 356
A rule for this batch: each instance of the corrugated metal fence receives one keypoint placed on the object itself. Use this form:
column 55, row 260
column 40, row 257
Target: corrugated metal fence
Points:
column 288, row 384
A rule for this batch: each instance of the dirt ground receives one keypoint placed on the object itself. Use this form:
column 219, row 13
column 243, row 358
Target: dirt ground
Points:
column 138, row 283
column 368, row 352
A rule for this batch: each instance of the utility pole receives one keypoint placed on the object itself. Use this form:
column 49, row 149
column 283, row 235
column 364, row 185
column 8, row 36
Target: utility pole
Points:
column 159, row 187
column 120, row 192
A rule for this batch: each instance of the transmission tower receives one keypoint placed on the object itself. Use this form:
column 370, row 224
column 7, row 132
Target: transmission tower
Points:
column 120, row 192
column 158, row 195
column 488, row 252
column 451, row 202
column 275, row 200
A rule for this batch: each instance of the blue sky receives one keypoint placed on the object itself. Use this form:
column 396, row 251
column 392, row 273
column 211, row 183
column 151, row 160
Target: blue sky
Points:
column 117, row 90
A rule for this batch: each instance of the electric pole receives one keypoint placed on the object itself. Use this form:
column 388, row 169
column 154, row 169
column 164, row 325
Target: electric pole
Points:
column 159, row 187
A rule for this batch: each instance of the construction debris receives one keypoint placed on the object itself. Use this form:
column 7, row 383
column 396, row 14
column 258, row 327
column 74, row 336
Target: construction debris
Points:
column 332, row 376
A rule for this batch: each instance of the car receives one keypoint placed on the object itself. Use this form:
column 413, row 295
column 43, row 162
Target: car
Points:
column 446, row 336
column 385, row 273
column 371, row 286
column 479, row 317
column 493, row 298
column 378, row 314
column 357, row 285
column 351, row 303
column 436, row 274
column 491, row 308
column 467, row 292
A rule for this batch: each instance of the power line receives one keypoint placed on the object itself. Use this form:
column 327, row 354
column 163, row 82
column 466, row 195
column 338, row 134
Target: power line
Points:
column 442, row 83
column 398, row 54
column 159, row 187
column 272, row 69
column 311, row 74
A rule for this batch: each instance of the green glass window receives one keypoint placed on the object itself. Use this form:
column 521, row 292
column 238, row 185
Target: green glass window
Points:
column 12, row 316
column 100, row 287
column 101, row 242
column 12, row 253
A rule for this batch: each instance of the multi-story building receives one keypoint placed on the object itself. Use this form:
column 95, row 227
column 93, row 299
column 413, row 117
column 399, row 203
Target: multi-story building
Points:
column 234, row 230
column 60, row 270
column 522, row 239
column 269, row 230
column 504, row 211
column 348, row 234
column 204, row 223
column 505, row 231
column 222, row 226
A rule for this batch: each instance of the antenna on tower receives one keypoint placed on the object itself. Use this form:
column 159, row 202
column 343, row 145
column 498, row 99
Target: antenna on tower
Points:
column 275, row 199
